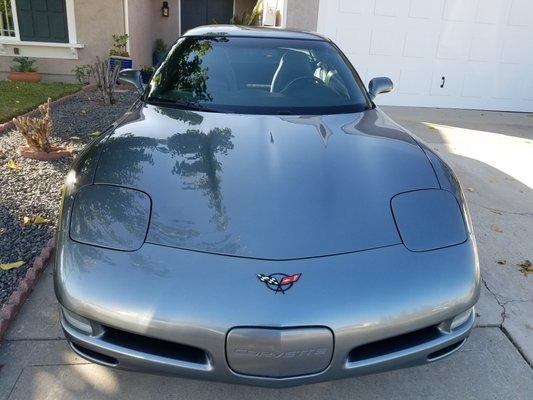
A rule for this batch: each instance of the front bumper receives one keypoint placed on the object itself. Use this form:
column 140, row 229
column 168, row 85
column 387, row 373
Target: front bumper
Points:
column 169, row 311
column 98, row 350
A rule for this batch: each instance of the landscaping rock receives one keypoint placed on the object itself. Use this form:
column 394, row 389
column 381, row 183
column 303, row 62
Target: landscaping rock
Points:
column 35, row 188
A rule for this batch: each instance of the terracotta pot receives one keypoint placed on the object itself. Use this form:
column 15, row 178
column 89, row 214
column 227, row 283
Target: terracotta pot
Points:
column 54, row 154
column 24, row 76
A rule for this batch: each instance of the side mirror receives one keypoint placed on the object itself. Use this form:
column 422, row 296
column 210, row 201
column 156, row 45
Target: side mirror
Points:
column 379, row 85
column 133, row 77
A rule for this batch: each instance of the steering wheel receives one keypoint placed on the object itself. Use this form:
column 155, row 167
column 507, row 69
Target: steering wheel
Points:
column 302, row 78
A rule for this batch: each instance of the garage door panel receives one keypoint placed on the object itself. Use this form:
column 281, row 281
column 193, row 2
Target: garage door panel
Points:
column 507, row 81
column 477, row 81
column 459, row 10
column 385, row 42
column 419, row 45
column 351, row 6
column 452, row 44
column 446, row 82
column 424, row 9
column 483, row 49
column 414, row 81
column 388, row 8
column 526, row 88
column 491, row 11
column 353, row 40
column 516, row 48
column 521, row 13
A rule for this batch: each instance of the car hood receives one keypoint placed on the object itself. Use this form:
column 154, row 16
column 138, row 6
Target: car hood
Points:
column 266, row 186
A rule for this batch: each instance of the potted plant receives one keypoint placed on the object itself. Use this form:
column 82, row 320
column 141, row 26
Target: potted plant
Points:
column 146, row 73
column 118, row 55
column 24, row 71
column 160, row 51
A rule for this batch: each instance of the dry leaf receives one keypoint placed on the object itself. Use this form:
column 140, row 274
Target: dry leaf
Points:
column 496, row 228
column 11, row 164
column 502, row 261
column 526, row 267
column 470, row 189
column 39, row 219
column 2, row 155
column 8, row 266
column 75, row 138
column 95, row 133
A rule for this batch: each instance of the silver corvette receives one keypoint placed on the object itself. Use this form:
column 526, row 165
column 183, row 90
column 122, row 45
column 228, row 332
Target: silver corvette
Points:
column 254, row 218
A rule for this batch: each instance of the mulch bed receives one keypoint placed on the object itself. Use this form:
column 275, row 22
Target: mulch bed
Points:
column 35, row 189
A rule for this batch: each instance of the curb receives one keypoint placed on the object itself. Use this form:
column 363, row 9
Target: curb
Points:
column 9, row 125
column 10, row 309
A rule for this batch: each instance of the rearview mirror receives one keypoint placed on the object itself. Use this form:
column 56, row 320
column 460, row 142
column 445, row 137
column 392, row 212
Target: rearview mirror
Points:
column 133, row 77
column 379, row 85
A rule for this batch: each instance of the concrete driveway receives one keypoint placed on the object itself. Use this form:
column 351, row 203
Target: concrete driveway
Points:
column 492, row 153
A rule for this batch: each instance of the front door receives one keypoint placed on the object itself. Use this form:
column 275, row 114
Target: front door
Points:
column 204, row 12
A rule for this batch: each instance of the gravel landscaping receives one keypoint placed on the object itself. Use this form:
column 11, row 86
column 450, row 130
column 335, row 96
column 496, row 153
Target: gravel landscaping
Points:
column 35, row 189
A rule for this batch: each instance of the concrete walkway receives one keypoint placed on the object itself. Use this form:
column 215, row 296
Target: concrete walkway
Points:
column 493, row 155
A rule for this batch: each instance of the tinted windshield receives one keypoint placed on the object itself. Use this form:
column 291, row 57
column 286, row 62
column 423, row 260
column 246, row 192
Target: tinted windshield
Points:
column 251, row 75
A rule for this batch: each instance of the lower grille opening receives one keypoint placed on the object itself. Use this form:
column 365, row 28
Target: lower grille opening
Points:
column 445, row 351
column 162, row 348
column 93, row 355
column 393, row 344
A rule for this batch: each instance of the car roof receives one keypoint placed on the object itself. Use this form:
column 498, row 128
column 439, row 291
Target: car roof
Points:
column 252, row 31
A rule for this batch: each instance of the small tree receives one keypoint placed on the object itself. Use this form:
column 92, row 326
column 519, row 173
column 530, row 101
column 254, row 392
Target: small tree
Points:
column 105, row 79
column 37, row 131
column 83, row 74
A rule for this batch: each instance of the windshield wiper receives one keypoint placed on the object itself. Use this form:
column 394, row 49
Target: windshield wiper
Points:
column 185, row 104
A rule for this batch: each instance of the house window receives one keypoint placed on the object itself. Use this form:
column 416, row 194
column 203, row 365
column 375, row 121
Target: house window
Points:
column 7, row 23
column 42, row 20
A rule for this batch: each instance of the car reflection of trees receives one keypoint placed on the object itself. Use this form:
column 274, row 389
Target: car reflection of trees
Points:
column 199, row 167
column 183, row 72
column 126, row 157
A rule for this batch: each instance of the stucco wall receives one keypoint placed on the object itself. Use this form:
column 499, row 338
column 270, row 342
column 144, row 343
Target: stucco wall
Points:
column 302, row 14
column 96, row 22
column 147, row 24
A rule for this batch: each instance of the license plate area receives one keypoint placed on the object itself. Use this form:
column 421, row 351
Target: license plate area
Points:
column 279, row 352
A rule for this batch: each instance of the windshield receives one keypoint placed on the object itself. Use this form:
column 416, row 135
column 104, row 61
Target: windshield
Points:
column 263, row 76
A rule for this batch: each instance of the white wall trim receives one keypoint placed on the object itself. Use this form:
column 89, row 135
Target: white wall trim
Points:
column 15, row 19
column 322, row 17
column 284, row 16
column 126, row 23
column 9, row 41
column 15, row 23
column 71, row 21
column 47, row 49
column 39, row 49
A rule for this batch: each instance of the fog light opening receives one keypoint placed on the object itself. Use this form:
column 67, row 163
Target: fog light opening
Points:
column 77, row 321
column 460, row 319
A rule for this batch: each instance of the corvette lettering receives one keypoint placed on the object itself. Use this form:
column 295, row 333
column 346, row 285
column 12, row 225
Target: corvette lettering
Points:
column 283, row 354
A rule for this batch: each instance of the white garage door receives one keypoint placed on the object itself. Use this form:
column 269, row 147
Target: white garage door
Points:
column 439, row 53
